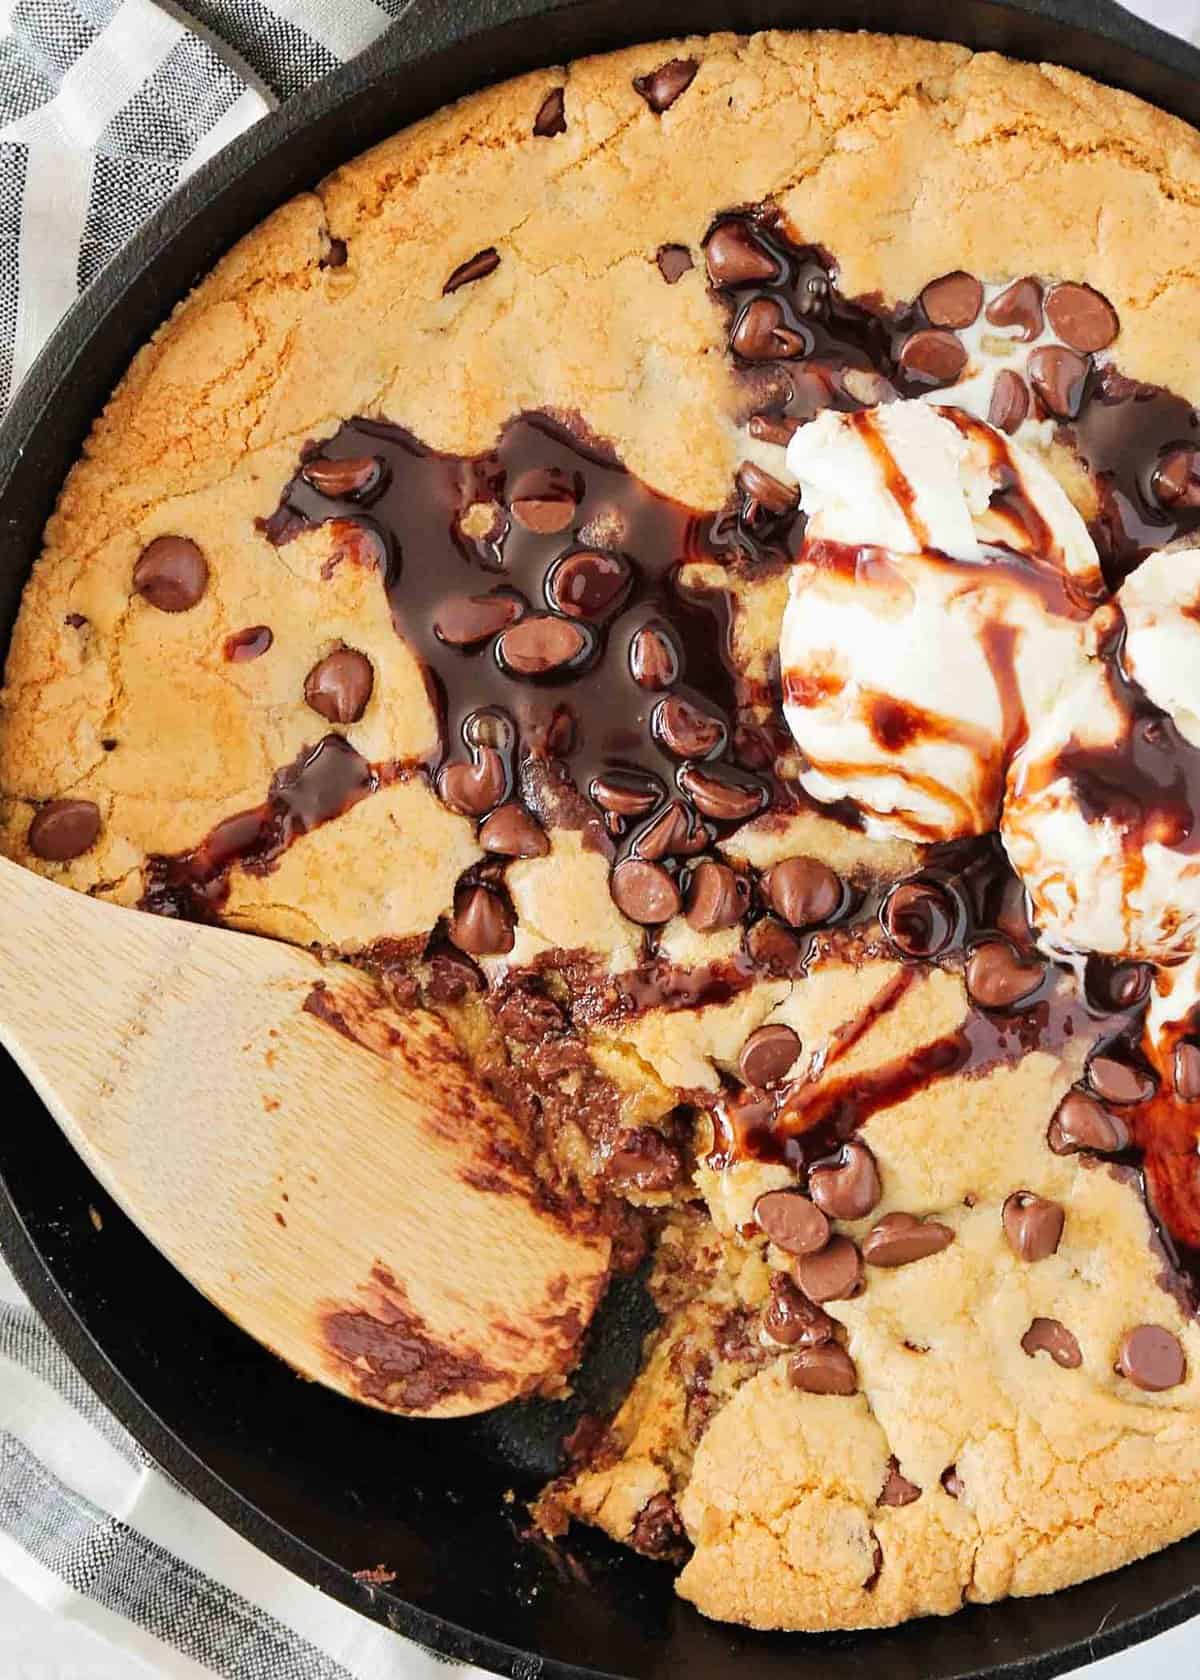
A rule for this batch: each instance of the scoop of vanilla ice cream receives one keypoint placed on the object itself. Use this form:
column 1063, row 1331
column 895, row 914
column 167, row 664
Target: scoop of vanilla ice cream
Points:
column 894, row 477
column 1097, row 814
column 909, row 654
column 1161, row 605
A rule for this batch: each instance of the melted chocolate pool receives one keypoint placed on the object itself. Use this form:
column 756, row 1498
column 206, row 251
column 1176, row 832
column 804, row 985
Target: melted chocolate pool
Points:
column 1124, row 430
column 540, row 585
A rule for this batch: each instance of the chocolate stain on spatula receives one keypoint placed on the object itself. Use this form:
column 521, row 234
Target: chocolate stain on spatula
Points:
column 386, row 1347
column 206, row 1076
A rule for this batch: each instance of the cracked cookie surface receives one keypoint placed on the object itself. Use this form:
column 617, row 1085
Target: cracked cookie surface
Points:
column 524, row 253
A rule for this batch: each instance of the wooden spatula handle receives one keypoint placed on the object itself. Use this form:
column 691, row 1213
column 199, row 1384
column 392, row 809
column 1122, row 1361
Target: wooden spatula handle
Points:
column 330, row 1172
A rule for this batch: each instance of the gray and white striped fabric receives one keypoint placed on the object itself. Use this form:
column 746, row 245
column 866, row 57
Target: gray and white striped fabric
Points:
column 91, row 1529
column 105, row 106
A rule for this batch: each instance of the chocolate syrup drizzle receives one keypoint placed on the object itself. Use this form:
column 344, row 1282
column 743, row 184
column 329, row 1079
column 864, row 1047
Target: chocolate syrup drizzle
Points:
column 1123, row 431
column 587, row 722
column 1147, row 783
column 417, row 516
column 321, row 784
column 802, row 1122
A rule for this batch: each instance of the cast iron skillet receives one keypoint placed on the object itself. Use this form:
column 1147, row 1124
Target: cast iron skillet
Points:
column 323, row 1486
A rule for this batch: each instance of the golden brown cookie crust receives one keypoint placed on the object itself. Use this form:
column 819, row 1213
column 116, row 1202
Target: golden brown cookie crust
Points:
column 904, row 159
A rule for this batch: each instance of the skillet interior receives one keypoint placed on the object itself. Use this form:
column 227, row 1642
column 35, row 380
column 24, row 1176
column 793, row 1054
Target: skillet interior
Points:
column 323, row 1486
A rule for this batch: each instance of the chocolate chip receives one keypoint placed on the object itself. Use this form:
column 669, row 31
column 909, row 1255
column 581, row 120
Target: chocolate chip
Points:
column 336, row 253
column 804, row 891
column 834, row 1273
column 658, row 1530
column 848, row 1186
column 920, row 918
column 901, row 1238
column 1047, row 1335
column 735, row 257
column 339, row 686
column 717, row 897
column 1033, row 1225
column 684, row 729
column 643, row 1159
column 932, row 357
column 1151, row 1358
column 544, row 501
column 248, row 644
column 653, row 661
column 761, row 334
column 510, row 831
column 662, row 87
column 171, row 574
column 1059, row 377
column 791, row 1221
column 999, row 977
column 764, row 493
column 1081, row 1123
column 776, row 429
column 482, row 923
column 345, row 480
column 489, row 726
column 589, row 583
column 721, row 798
column 1119, row 1082
column 1187, row 1072
column 825, row 1369
column 1117, row 986
column 63, row 829
column 644, row 892
column 1019, row 306
column 477, row 267
column 1082, row 317
column 791, row 1319
column 1176, row 480
column 464, row 620
column 952, row 1481
column 672, row 833
column 76, row 620
column 476, row 787
column 673, row 262
column 767, row 1054
column 897, row 1489
column 625, row 793
column 770, row 946
column 1009, row 407
column 551, row 118
column 953, row 301
column 541, row 643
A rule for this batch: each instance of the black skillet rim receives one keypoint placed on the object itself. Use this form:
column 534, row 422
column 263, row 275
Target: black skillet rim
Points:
column 429, row 29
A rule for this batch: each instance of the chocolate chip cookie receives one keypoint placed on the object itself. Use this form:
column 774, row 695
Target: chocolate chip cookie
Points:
column 686, row 563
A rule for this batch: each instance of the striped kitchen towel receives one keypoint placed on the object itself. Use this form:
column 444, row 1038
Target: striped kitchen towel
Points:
column 105, row 106
column 92, row 1529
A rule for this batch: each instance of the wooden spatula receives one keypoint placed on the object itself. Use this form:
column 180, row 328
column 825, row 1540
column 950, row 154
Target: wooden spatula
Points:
column 327, row 1170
